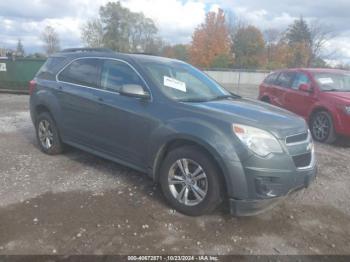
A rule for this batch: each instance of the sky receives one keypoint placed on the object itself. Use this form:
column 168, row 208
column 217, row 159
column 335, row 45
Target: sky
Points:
column 175, row 19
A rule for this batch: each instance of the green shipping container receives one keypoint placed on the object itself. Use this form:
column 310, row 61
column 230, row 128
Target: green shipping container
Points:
column 15, row 75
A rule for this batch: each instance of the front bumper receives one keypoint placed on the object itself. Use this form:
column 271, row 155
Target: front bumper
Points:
column 249, row 207
column 342, row 123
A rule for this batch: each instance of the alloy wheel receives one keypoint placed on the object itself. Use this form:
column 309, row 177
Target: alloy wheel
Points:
column 188, row 183
column 321, row 127
column 45, row 134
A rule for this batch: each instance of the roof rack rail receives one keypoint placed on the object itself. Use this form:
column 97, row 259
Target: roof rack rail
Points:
column 86, row 49
column 143, row 53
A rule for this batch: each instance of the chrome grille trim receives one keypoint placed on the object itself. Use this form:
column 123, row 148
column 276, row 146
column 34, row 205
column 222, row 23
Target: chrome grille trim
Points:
column 306, row 140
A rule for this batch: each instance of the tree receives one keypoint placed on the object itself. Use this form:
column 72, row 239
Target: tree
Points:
column 308, row 42
column 210, row 40
column 221, row 61
column 178, row 51
column 298, row 32
column 92, row 33
column 36, row 56
column 272, row 37
column 280, row 56
column 121, row 30
column 20, row 49
column 298, row 37
column 51, row 40
column 320, row 35
column 248, row 46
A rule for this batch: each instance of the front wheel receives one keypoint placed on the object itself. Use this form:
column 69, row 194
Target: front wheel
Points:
column 190, row 181
column 266, row 99
column 322, row 127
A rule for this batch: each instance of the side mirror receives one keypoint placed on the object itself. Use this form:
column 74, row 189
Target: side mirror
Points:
column 134, row 91
column 305, row 88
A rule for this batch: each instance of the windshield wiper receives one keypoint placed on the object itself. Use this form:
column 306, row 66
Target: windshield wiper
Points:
column 335, row 90
column 232, row 95
column 194, row 100
column 220, row 97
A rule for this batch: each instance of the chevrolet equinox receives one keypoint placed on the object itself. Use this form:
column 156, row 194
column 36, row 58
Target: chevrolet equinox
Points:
column 167, row 119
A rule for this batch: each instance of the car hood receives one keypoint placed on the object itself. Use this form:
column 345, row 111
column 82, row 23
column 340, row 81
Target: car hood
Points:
column 280, row 122
column 342, row 96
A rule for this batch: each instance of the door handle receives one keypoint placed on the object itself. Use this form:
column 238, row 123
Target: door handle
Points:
column 100, row 99
column 60, row 88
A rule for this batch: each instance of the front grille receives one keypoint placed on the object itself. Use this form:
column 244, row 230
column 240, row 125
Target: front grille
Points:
column 303, row 160
column 296, row 138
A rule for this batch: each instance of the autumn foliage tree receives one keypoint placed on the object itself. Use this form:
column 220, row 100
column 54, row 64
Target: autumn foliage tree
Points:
column 178, row 51
column 211, row 44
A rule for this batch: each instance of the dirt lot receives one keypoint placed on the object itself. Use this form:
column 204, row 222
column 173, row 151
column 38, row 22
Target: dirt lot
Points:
column 77, row 203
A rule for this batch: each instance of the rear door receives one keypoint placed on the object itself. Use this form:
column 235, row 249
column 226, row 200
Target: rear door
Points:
column 282, row 87
column 78, row 85
column 266, row 89
column 298, row 101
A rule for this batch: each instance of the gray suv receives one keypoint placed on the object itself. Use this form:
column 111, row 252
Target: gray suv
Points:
column 167, row 119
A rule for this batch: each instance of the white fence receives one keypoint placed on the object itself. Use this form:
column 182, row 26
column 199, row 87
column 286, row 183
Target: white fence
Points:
column 244, row 83
column 238, row 77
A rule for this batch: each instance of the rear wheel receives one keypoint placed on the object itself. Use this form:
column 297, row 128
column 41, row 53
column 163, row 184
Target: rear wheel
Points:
column 322, row 127
column 47, row 134
column 190, row 181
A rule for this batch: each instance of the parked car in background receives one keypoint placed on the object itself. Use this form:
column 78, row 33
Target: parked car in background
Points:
column 320, row 96
column 166, row 118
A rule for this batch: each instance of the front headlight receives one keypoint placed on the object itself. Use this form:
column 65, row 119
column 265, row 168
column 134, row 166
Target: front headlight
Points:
column 257, row 140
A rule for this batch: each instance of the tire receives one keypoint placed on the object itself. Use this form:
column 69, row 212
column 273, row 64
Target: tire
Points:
column 266, row 99
column 322, row 128
column 47, row 134
column 207, row 181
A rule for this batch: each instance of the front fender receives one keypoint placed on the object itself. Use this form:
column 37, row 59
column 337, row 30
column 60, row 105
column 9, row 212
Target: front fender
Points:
column 216, row 138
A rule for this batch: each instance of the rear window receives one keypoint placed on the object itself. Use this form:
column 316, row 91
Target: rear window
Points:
column 82, row 72
column 50, row 67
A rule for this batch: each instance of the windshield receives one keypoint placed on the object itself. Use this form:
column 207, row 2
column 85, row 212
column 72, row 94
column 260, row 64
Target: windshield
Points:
column 183, row 82
column 333, row 81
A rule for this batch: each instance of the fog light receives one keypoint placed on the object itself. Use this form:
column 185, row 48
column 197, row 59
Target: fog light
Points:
column 264, row 187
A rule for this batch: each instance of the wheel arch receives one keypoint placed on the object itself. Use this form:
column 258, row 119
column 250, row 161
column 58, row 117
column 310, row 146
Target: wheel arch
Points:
column 316, row 110
column 41, row 108
column 180, row 142
column 265, row 98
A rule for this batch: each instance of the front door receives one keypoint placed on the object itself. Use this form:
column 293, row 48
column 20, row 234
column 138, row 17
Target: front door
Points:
column 299, row 101
column 125, row 123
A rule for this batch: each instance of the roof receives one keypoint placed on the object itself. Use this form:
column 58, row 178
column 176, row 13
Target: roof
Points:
column 313, row 70
column 103, row 52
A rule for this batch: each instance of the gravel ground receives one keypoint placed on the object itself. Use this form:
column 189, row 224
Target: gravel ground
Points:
column 77, row 203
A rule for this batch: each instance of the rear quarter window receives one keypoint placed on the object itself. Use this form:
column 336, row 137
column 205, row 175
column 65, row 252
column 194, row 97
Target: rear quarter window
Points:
column 271, row 78
column 50, row 68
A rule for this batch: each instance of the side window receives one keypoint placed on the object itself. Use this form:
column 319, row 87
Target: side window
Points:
column 115, row 74
column 84, row 72
column 285, row 79
column 271, row 79
column 299, row 79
